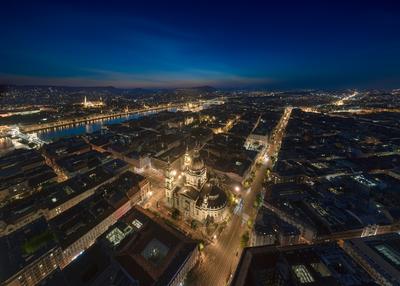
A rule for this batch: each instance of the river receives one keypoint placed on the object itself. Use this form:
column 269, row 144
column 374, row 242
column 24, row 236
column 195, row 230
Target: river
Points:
column 52, row 134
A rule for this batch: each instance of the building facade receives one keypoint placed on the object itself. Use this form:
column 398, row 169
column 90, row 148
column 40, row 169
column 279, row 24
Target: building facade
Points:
column 194, row 193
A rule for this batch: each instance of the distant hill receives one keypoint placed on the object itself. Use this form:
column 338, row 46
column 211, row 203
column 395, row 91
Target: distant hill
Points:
column 205, row 88
column 109, row 89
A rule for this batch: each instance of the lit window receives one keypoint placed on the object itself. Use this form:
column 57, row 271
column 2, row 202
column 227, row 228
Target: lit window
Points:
column 388, row 253
column 137, row 223
column 302, row 274
column 115, row 236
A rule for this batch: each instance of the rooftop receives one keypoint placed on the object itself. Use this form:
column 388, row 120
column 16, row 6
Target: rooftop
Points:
column 24, row 246
column 150, row 251
column 78, row 220
column 324, row 264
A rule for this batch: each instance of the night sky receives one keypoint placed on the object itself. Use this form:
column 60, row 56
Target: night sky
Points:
column 340, row 44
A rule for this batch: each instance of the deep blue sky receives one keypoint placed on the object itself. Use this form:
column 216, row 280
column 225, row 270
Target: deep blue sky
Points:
column 280, row 44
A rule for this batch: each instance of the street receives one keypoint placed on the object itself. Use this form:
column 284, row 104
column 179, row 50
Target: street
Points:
column 219, row 260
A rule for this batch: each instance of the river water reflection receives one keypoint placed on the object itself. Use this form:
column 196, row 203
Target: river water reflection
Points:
column 83, row 128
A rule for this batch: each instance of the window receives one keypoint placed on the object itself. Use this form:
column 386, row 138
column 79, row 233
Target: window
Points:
column 137, row 223
column 115, row 236
column 302, row 274
column 388, row 253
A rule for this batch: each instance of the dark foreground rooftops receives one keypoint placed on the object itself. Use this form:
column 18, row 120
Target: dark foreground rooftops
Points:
column 137, row 250
column 22, row 247
column 136, row 253
column 323, row 264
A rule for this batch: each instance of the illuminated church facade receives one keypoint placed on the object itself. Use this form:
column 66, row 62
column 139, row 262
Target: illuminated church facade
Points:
column 193, row 193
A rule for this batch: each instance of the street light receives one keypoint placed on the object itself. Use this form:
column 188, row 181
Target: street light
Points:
column 237, row 188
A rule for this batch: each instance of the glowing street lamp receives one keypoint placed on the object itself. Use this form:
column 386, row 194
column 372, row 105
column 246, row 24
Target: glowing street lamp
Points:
column 237, row 188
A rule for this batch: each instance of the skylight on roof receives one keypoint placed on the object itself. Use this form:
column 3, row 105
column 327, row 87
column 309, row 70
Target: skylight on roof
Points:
column 302, row 274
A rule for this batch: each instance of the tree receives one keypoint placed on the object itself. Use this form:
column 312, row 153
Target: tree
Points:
column 193, row 224
column 259, row 200
column 250, row 223
column 201, row 246
column 244, row 241
column 34, row 243
column 175, row 214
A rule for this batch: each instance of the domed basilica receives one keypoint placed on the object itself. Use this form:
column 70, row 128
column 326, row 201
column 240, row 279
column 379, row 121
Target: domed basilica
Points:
column 193, row 193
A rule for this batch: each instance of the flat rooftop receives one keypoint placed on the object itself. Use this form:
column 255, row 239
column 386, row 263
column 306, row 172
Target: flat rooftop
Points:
column 80, row 219
column 24, row 246
column 149, row 250
column 64, row 191
column 381, row 252
column 323, row 264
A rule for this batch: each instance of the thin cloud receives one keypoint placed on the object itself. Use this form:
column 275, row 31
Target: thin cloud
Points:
column 128, row 80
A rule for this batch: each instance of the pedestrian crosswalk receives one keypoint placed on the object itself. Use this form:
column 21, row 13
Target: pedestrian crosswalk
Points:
column 239, row 207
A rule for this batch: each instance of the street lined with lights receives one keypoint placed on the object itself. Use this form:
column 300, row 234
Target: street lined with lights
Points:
column 220, row 259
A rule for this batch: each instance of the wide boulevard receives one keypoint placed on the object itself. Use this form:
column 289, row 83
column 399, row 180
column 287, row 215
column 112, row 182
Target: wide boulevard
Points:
column 219, row 260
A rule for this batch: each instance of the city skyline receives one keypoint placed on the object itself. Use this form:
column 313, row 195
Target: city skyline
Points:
column 159, row 143
column 169, row 45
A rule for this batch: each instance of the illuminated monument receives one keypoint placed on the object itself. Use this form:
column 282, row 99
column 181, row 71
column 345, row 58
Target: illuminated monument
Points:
column 194, row 193
column 92, row 104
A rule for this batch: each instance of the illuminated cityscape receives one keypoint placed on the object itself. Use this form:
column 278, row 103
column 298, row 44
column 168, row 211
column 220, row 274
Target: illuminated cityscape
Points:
column 157, row 146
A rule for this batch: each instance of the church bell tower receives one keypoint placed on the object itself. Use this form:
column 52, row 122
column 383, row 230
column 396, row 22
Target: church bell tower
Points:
column 186, row 158
column 168, row 185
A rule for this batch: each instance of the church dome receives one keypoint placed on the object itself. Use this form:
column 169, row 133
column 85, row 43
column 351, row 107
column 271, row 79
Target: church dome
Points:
column 197, row 163
column 212, row 197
